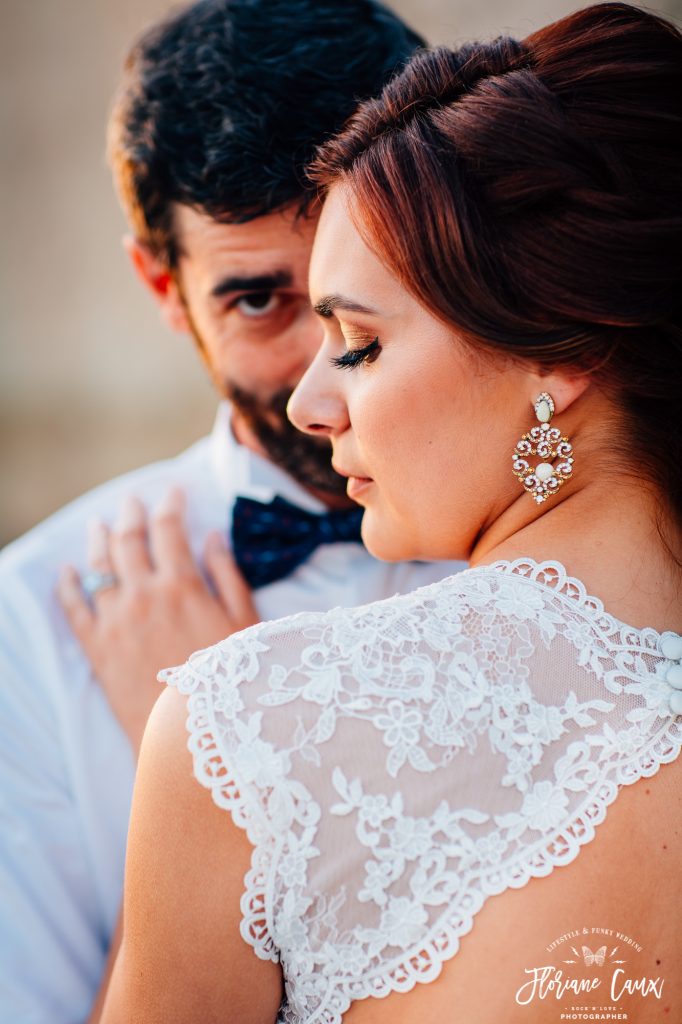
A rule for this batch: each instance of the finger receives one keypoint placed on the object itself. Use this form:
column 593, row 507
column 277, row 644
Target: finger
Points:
column 99, row 558
column 171, row 552
column 129, row 550
column 231, row 587
column 80, row 615
column 99, row 555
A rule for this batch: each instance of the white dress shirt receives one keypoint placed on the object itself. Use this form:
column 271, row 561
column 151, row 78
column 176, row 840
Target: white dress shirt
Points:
column 66, row 767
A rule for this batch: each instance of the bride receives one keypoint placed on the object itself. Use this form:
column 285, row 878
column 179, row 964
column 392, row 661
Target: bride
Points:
column 470, row 784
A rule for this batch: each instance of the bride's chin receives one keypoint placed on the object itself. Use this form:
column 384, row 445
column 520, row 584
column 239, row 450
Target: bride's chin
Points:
column 382, row 542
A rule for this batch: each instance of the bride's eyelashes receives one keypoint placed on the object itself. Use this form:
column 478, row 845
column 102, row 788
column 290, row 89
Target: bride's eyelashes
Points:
column 354, row 356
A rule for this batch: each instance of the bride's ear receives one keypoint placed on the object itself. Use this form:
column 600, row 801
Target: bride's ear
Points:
column 564, row 386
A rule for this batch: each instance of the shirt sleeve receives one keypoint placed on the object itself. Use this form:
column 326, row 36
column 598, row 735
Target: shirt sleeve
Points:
column 52, row 940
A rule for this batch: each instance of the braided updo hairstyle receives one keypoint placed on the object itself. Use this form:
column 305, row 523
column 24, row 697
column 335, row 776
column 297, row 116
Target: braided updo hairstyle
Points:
column 529, row 194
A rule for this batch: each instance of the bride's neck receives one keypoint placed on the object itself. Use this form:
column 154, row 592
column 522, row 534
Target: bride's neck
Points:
column 606, row 534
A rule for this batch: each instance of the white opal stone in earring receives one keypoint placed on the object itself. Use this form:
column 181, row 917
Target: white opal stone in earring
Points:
column 544, row 407
column 547, row 443
column 544, row 471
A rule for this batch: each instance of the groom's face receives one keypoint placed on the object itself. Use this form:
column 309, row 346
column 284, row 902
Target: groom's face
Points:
column 244, row 288
column 242, row 292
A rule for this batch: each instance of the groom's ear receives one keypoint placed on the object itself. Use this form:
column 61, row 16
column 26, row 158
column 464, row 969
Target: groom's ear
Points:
column 157, row 278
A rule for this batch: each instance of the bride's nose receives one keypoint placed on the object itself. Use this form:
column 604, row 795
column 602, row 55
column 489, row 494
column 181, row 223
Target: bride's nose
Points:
column 317, row 405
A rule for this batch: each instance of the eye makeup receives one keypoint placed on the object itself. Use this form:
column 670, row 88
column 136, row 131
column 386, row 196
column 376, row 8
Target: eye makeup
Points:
column 355, row 356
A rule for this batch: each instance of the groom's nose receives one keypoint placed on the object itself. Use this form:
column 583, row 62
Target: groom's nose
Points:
column 317, row 405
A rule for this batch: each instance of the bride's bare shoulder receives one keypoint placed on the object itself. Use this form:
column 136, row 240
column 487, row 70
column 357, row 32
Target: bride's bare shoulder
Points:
column 623, row 891
column 182, row 955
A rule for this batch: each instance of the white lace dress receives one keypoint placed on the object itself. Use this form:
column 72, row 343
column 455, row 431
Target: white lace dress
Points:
column 396, row 764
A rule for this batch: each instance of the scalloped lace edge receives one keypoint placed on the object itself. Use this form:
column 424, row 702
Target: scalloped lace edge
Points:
column 441, row 947
column 227, row 793
column 444, row 945
column 593, row 607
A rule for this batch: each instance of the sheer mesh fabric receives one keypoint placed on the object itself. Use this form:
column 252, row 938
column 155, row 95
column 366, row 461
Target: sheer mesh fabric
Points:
column 396, row 764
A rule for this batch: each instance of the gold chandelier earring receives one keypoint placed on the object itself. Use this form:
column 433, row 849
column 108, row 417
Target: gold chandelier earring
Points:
column 546, row 443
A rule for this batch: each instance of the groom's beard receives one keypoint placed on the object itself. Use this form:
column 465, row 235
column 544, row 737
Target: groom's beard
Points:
column 307, row 459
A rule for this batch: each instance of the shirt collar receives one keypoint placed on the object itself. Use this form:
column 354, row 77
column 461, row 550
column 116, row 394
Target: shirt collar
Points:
column 242, row 473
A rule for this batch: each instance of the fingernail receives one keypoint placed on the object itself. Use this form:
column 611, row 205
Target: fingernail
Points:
column 95, row 527
column 67, row 578
column 215, row 541
column 131, row 514
column 172, row 504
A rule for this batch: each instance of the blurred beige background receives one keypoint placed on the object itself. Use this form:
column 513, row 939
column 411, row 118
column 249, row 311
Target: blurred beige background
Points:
column 90, row 382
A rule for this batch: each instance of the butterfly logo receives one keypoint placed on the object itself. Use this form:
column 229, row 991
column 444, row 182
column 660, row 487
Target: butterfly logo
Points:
column 596, row 958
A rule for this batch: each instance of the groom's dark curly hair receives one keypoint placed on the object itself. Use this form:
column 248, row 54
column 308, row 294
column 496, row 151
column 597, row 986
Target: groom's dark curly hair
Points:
column 223, row 104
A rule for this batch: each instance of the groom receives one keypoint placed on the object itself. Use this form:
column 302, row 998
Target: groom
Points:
column 219, row 110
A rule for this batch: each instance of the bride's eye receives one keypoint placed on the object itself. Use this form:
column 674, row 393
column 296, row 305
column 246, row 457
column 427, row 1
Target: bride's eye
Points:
column 257, row 304
column 354, row 356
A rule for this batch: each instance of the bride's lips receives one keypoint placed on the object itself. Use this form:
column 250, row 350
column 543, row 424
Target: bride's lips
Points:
column 356, row 484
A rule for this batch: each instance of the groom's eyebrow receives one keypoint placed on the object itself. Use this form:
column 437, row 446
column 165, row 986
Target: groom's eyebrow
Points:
column 253, row 283
column 326, row 306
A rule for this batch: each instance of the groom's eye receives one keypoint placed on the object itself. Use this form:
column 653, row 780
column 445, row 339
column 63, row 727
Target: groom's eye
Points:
column 258, row 304
column 264, row 313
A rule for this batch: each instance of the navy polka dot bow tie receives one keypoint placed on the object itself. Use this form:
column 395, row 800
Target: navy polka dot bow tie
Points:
column 270, row 541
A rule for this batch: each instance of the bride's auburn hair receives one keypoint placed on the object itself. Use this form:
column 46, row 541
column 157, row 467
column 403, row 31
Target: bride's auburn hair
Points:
column 528, row 193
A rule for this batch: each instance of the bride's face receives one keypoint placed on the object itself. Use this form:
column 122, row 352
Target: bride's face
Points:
column 423, row 426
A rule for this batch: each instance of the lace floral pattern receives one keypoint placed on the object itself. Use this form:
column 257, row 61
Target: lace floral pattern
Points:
column 520, row 699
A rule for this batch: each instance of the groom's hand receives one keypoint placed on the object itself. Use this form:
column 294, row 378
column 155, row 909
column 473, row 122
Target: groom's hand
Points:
column 158, row 610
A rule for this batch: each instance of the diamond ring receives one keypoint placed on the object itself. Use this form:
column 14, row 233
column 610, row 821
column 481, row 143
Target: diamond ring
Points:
column 94, row 581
